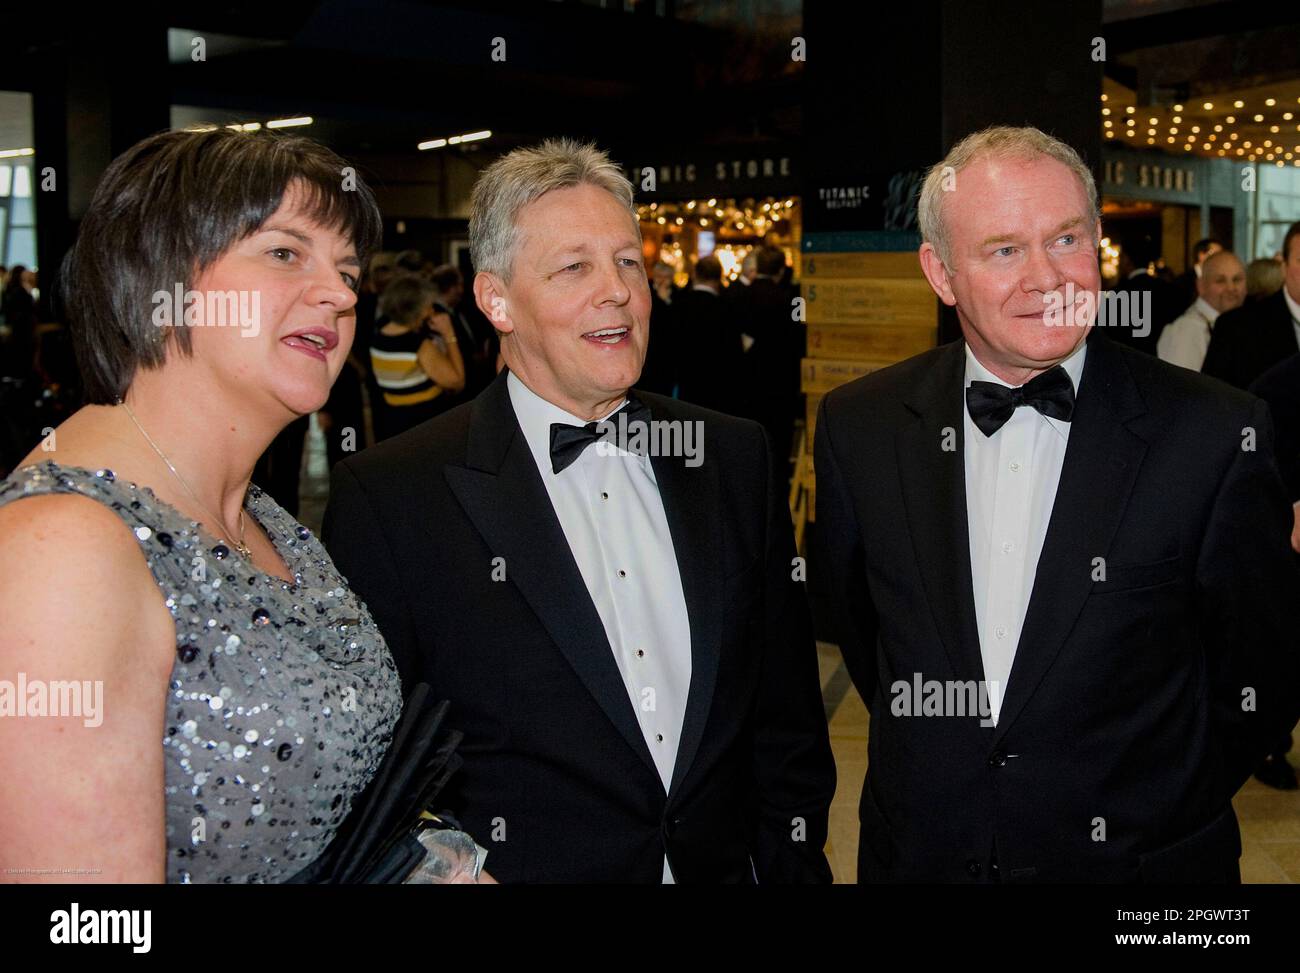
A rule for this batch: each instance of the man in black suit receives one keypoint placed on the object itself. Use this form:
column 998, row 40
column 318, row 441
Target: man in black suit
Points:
column 621, row 628
column 1249, row 341
column 1158, row 301
column 710, row 349
column 1073, row 618
column 1280, row 388
column 770, row 366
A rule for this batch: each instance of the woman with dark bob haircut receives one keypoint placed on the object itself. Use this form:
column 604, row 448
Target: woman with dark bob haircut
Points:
column 148, row 591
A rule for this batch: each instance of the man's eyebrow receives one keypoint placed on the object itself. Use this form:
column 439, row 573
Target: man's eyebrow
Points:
column 585, row 248
column 1067, row 224
column 1001, row 238
column 1011, row 237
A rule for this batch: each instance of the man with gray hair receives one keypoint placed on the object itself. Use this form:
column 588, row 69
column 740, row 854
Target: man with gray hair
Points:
column 622, row 629
column 1061, row 567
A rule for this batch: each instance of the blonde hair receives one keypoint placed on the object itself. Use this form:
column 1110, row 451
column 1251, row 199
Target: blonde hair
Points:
column 1264, row 277
column 523, row 176
column 1000, row 141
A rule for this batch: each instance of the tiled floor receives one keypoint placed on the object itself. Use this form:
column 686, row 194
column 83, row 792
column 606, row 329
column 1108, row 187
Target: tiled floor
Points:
column 1270, row 819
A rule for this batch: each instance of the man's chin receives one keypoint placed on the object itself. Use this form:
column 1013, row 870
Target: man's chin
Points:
column 621, row 372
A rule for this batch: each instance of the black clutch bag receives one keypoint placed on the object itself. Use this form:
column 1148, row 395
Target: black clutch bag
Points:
column 377, row 844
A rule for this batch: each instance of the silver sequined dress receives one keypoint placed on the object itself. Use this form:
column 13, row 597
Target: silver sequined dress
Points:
column 282, row 697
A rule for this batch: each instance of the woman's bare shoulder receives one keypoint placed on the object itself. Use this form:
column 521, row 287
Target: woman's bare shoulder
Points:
column 72, row 572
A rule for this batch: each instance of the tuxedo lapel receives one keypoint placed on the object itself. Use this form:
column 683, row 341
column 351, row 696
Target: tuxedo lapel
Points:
column 932, row 466
column 1101, row 465
column 502, row 493
column 692, row 499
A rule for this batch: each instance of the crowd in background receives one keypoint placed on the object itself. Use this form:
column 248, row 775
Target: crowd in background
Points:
column 422, row 346
column 734, row 348
column 39, row 384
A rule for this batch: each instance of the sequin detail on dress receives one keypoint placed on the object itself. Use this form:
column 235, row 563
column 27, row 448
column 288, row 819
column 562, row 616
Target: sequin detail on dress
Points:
column 282, row 698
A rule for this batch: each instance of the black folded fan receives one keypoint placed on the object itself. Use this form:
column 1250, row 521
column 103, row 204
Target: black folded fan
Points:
column 376, row 844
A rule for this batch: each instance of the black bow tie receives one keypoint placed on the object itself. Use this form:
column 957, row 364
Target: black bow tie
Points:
column 990, row 405
column 568, row 442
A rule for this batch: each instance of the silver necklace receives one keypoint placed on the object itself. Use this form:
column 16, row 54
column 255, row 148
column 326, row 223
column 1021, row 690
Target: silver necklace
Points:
column 239, row 546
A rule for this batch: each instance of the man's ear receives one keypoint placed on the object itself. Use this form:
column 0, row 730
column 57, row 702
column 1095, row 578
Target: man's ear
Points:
column 936, row 273
column 490, row 296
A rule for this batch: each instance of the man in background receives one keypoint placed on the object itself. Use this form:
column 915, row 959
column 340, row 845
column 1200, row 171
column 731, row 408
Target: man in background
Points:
column 710, row 352
column 1255, row 337
column 1220, row 287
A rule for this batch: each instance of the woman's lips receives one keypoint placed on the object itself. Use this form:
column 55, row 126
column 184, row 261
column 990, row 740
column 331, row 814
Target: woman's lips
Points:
column 306, row 346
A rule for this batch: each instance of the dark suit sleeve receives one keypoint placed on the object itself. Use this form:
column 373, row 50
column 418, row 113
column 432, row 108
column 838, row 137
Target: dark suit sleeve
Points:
column 1249, row 597
column 355, row 539
column 794, row 770
column 843, row 560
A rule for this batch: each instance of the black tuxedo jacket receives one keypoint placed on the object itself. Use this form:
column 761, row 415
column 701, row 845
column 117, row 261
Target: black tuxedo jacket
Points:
column 449, row 536
column 1122, row 735
column 1249, row 341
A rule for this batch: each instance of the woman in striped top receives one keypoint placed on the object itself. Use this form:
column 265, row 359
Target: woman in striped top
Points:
column 415, row 357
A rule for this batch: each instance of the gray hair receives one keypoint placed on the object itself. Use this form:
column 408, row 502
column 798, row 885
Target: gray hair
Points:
column 524, row 176
column 1000, row 141
column 406, row 299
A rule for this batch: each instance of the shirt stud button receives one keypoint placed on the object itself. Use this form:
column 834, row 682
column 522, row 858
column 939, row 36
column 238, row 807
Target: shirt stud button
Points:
column 604, row 495
column 1015, row 467
column 622, row 573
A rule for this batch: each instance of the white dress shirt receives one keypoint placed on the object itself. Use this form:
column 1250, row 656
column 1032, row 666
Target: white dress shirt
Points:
column 613, row 518
column 1011, row 480
column 1185, row 340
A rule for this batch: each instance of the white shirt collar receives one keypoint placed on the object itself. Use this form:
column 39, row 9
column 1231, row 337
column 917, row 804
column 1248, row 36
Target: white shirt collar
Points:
column 976, row 372
column 1205, row 309
column 535, row 415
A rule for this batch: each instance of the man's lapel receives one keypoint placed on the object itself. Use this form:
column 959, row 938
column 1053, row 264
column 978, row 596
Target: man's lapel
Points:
column 1101, row 465
column 692, row 499
column 931, row 462
column 502, row 493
